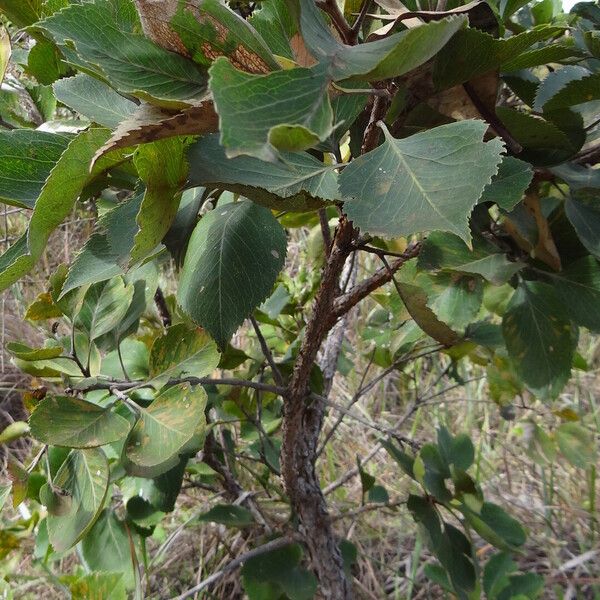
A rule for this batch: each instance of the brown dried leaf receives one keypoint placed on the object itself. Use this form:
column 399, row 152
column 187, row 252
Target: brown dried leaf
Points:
column 155, row 16
column 150, row 123
column 545, row 249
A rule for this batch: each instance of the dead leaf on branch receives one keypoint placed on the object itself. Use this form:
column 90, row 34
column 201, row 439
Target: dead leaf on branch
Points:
column 155, row 16
column 150, row 123
column 204, row 30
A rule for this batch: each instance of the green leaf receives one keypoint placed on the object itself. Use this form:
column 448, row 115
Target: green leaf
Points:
column 107, row 251
column 577, row 444
column 55, row 202
column 424, row 513
column 367, row 480
column 457, row 451
column 58, row 502
column 163, row 168
column 177, row 238
column 382, row 59
column 509, row 7
column 521, row 587
column 26, row 158
column 445, row 251
column 182, row 351
column 493, row 524
column 93, row 99
column 84, row 477
column 45, row 63
column 405, row 461
column 538, row 335
column 578, row 287
column 554, row 82
column 298, row 182
column 280, row 569
column 5, row 52
column 509, row 185
column 454, row 299
column 495, row 573
column 21, row 12
column 577, row 176
column 543, row 142
column 472, row 52
column 24, row 352
column 576, row 91
column 74, row 423
column 416, row 301
column 107, row 41
column 260, row 115
column 13, row 431
column 228, row 514
column 429, row 181
column 98, row 586
column 274, row 22
column 232, row 262
column 211, row 29
column 151, row 496
column 436, row 471
column 552, row 53
column 164, row 428
column 104, row 306
column 134, row 354
column 583, row 210
column 378, row 494
column 107, row 547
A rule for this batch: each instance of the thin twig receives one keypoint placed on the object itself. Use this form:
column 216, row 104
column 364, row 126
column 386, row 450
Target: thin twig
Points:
column 354, row 399
column 355, row 29
column 359, row 419
column 337, row 18
column 372, row 131
column 130, row 385
column 367, row 508
column 267, row 353
column 382, row 276
column 379, row 251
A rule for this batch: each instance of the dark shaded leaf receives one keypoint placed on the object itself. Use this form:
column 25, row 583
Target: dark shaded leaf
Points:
column 538, row 336
column 228, row 514
column 232, row 262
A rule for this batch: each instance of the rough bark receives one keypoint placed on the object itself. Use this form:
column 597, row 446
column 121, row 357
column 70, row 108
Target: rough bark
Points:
column 302, row 425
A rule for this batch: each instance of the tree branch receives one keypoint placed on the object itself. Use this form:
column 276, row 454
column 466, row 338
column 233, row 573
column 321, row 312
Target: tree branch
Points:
column 355, row 30
column 382, row 276
column 267, row 352
column 337, row 18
